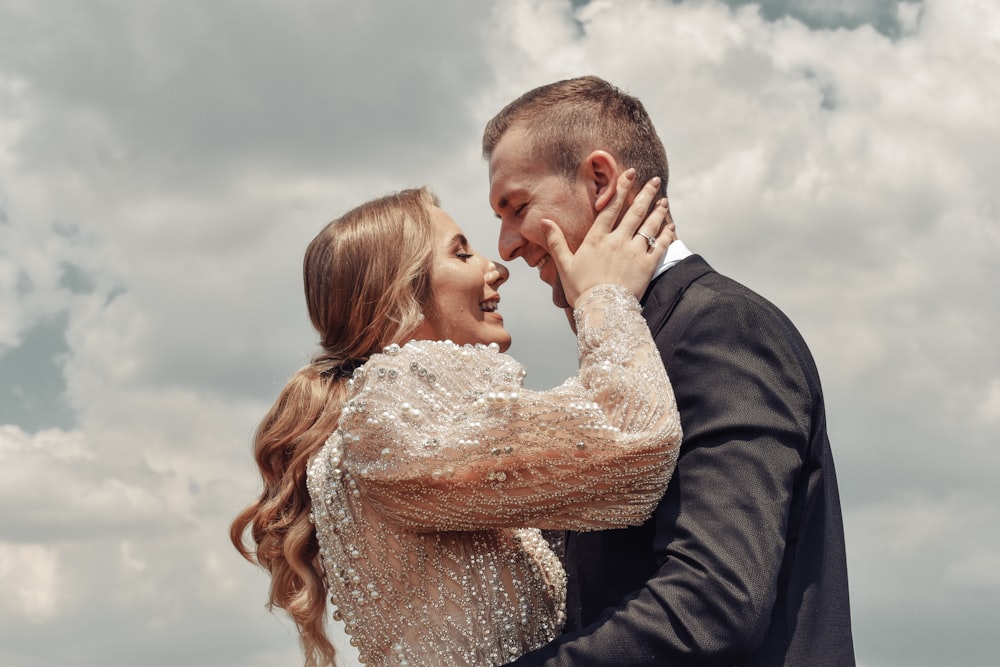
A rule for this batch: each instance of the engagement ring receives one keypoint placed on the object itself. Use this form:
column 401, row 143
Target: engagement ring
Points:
column 650, row 240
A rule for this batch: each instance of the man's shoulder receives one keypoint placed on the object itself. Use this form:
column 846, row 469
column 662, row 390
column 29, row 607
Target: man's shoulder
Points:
column 699, row 295
column 693, row 269
column 692, row 276
column 696, row 271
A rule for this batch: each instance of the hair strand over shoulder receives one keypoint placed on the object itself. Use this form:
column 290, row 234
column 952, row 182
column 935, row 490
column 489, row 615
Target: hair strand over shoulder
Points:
column 362, row 294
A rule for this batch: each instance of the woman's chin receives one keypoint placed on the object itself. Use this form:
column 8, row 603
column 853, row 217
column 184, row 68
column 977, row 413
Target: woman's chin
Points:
column 502, row 339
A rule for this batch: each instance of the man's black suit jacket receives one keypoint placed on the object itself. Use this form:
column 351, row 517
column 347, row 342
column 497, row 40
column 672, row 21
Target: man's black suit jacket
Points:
column 743, row 561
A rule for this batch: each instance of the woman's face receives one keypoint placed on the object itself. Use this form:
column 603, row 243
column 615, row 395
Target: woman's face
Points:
column 464, row 286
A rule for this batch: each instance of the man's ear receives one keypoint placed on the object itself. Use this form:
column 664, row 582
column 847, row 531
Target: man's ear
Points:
column 600, row 172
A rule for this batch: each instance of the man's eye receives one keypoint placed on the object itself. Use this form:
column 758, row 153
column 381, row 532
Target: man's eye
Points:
column 520, row 209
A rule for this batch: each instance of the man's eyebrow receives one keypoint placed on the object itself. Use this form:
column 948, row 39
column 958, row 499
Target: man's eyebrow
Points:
column 504, row 201
column 517, row 192
column 501, row 205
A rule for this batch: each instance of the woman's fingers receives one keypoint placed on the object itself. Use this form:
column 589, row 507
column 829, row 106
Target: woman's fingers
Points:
column 608, row 216
column 634, row 217
column 654, row 233
column 558, row 248
column 624, row 253
column 652, row 226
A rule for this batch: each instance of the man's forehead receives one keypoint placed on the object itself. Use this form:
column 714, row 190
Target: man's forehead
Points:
column 513, row 146
column 500, row 183
column 510, row 168
column 502, row 153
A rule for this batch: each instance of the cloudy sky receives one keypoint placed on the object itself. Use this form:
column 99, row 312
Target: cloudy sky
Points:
column 163, row 165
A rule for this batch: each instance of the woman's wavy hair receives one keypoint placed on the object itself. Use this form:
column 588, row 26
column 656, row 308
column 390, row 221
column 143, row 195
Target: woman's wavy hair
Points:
column 367, row 282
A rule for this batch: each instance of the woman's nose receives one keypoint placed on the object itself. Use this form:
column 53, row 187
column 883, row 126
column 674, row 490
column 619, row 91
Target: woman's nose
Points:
column 496, row 275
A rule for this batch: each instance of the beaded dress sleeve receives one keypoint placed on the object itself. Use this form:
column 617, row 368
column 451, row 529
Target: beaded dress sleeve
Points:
column 443, row 437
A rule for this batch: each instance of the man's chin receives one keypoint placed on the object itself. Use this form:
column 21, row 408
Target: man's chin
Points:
column 559, row 298
column 550, row 277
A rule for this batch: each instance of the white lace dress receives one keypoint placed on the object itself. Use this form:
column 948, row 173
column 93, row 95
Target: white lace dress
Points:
column 429, row 498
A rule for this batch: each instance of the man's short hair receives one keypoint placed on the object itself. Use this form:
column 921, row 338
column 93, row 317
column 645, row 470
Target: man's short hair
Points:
column 567, row 120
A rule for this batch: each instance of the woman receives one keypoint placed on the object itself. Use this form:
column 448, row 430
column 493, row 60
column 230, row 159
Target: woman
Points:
column 410, row 483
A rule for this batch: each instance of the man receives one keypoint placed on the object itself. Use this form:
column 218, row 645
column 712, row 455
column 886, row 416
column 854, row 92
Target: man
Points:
column 743, row 562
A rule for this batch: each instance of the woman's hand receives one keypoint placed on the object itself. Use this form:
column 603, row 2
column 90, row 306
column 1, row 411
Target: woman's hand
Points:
column 623, row 254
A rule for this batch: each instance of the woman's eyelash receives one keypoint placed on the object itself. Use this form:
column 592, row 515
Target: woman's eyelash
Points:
column 464, row 255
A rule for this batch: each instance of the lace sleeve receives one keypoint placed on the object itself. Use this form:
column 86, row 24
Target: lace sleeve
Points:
column 442, row 437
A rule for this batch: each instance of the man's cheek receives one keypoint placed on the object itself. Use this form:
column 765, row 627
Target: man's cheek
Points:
column 537, row 230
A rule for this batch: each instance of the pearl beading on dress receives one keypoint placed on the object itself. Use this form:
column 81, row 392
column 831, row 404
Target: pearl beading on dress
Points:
column 429, row 497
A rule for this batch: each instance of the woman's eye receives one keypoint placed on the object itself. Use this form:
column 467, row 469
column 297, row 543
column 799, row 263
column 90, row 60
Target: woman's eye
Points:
column 464, row 255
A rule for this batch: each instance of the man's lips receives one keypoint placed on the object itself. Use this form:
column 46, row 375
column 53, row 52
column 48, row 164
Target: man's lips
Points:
column 540, row 264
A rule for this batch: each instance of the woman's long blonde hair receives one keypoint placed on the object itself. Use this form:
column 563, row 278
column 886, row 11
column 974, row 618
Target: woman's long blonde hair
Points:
column 367, row 282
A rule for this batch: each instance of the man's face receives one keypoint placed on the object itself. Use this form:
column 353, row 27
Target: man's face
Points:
column 523, row 191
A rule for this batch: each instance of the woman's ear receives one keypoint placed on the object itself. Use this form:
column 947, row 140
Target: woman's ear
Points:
column 600, row 172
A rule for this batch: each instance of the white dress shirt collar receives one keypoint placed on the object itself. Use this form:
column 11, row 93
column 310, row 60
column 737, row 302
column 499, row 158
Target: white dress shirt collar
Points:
column 675, row 253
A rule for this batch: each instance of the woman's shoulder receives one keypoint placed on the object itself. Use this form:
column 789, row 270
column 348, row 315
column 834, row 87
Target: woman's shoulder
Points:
column 403, row 397
column 441, row 366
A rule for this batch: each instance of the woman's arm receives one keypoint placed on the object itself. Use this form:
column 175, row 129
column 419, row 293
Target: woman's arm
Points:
column 441, row 437
column 444, row 438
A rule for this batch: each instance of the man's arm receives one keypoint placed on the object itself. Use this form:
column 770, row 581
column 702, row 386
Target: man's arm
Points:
column 720, row 530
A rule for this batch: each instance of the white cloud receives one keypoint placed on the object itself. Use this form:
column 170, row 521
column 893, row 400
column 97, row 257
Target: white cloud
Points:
column 28, row 575
column 989, row 408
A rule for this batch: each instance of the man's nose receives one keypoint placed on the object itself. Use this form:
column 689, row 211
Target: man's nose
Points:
column 511, row 243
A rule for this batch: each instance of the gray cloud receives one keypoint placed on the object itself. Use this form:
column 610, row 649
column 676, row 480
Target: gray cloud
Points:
column 824, row 15
column 159, row 92
column 33, row 390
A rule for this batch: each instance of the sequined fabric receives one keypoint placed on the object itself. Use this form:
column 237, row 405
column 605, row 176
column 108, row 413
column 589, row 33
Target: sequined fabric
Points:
column 429, row 499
